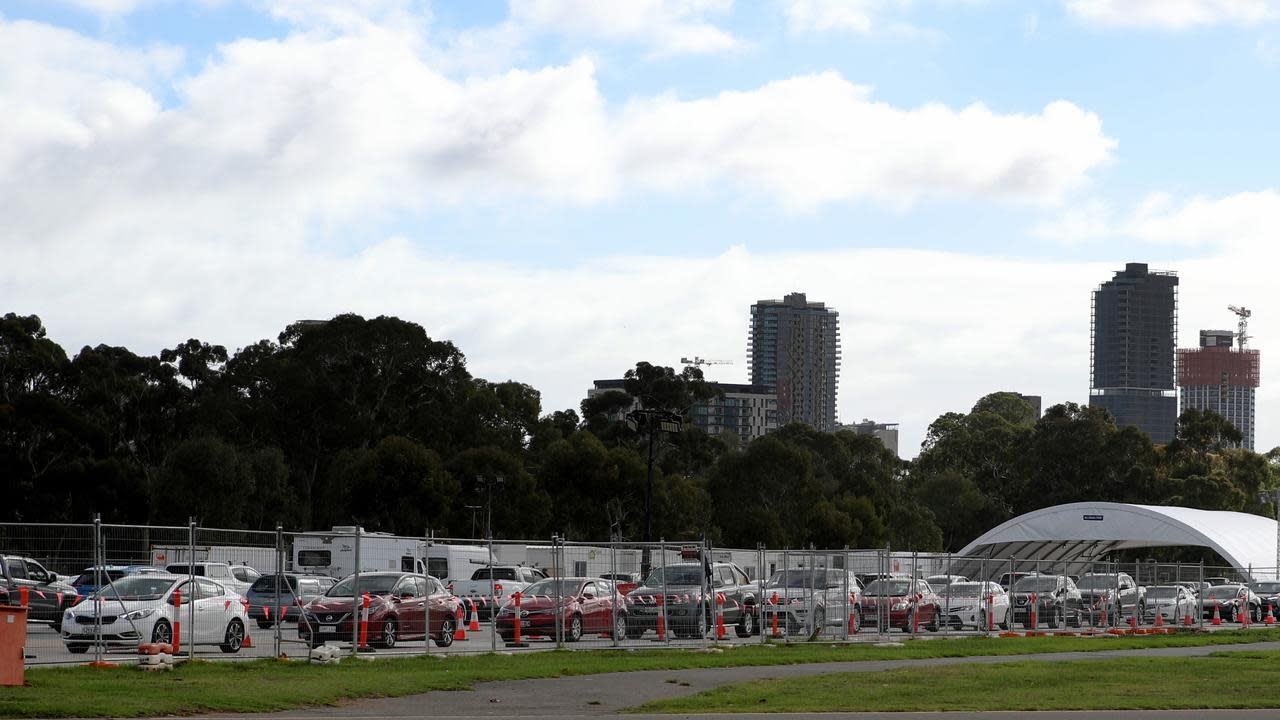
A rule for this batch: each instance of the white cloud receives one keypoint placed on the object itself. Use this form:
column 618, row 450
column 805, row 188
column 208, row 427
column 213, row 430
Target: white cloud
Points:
column 669, row 27
column 816, row 139
column 835, row 15
column 1174, row 14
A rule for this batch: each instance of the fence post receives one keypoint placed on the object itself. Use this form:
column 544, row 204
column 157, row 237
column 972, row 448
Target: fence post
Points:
column 281, row 614
column 426, row 607
column 1200, row 610
column 557, row 565
column 761, row 559
column 98, row 554
column 191, row 584
column 665, row 636
column 355, row 597
column 613, row 594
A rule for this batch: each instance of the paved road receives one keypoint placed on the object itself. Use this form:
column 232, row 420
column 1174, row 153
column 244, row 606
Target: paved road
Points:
column 592, row 696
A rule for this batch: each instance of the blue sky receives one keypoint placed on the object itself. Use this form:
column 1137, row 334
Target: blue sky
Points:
column 564, row 187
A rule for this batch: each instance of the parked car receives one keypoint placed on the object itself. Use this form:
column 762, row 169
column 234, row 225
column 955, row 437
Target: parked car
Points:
column 492, row 587
column 586, row 606
column 399, row 604
column 832, row 596
column 86, row 582
column 1054, row 597
column 1109, row 597
column 296, row 590
column 234, row 577
column 1269, row 592
column 1232, row 601
column 47, row 598
column 906, row 603
column 142, row 608
column 1171, row 603
column 687, row 612
column 625, row 582
column 1196, row 587
column 966, row 605
column 1219, row 580
column 938, row 582
column 1008, row 579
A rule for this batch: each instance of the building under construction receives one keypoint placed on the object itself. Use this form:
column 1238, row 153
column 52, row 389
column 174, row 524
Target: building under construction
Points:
column 1222, row 377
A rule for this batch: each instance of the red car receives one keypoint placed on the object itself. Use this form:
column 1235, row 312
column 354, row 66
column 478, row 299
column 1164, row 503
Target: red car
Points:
column 587, row 606
column 908, row 603
column 398, row 610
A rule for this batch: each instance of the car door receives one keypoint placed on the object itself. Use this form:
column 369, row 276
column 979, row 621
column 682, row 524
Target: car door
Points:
column 409, row 599
column 213, row 610
column 42, row 598
column 438, row 600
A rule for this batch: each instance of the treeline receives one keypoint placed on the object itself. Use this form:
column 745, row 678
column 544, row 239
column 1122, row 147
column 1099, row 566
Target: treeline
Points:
column 372, row 422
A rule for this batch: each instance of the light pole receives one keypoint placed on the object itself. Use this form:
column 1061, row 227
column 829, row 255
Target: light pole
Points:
column 488, row 483
column 652, row 422
column 473, row 509
column 1274, row 496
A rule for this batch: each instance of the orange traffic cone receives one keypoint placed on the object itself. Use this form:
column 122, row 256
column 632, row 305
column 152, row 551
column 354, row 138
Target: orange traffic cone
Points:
column 1159, row 618
column 1186, row 619
column 1269, row 619
column 1217, row 614
column 474, row 625
column 461, row 632
column 248, row 641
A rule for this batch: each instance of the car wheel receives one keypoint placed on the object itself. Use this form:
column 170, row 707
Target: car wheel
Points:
column 1055, row 620
column 77, row 649
column 619, row 626
column 573, row 631
column 634, row 633
column 161, row 632
column 933, row 622
column 747, row 625
column 1007, row 621
column 234, row 639
column 389, row 633
column 910, row 624
column 447, row 628
column 265, row 624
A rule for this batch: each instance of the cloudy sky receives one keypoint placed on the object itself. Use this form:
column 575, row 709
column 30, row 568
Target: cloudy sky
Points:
column 564, row 187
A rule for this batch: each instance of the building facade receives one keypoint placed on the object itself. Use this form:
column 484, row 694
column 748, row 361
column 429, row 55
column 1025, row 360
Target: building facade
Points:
column 747, row 411
column 794, row 349
column 886, row 433
column 1218, row 377
column 1134, row 339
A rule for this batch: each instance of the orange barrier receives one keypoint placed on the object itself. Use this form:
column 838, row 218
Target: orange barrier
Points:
column 24, row 595
column 853, row 615
column 662, row 624
column 364, row 621
column 177, row 621
column 719, row 616
column 774, row 602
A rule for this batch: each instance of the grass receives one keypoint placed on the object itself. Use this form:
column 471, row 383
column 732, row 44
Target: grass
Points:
column 1223, row 680
column 269, row 685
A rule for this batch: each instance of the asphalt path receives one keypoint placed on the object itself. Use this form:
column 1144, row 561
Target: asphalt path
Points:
column 593, row 696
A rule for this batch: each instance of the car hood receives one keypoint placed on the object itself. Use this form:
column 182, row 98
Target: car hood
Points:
column 342, row 604
column 672, row 590
column 116, row 607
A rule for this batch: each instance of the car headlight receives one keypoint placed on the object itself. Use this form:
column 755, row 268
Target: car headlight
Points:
column 138, row 614
column 67, row 617
column 900, row 606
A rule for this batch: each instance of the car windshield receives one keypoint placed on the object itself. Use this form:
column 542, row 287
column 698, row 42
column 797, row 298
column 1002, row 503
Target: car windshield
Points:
column 1162, row 592
column 137, row 587
column 1035, row 584
column 1266, row 587
column 801, row 579
column 1098, row 582
column 185, row 569
column 89, row 577
column 372, row 584
column 552, row 587
column 965, row 589
column 1225, row 591
column 888, row 588
column 676, row 575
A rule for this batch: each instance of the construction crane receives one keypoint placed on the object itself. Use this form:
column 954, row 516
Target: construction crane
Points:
column 1244, row 314
column 696, row 361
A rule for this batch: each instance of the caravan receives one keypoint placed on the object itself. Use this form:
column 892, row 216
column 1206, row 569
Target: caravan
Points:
column 333, row 553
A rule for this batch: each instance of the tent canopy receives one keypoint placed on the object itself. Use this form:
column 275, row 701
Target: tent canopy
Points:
column 1078, row 534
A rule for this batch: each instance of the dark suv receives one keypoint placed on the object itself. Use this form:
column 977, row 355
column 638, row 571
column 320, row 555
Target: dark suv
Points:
column 687, row 610
column 295, row 591
column 1054, row 597
column 1100, row 592
column 47, row 597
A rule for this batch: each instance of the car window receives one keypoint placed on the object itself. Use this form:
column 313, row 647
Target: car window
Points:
column 308, row 587
column 35, row 570
column 742, row 578
column 240, row 575
column 590, row 589
column 405, row 587
column 209, row 588
column 437, row 587
column 16, row 569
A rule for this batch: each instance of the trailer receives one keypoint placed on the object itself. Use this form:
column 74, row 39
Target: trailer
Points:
column 262, row 559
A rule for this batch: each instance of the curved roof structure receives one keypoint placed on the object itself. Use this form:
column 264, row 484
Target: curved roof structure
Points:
column 1077, row 534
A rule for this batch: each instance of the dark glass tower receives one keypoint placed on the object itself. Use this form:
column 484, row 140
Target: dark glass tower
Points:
column 795, row 350
column 1135, row 339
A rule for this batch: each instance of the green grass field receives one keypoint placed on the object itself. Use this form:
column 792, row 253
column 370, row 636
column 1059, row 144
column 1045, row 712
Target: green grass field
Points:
column 266, row 685
column 1224, row 680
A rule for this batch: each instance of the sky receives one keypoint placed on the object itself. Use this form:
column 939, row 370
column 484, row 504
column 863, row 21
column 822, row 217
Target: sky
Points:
column 563, row 188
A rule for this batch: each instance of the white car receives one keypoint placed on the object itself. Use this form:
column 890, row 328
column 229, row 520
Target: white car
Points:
column 832, row 595
column 1172, row 602
column 967, row 605
column 235, row 577
column 141, row 608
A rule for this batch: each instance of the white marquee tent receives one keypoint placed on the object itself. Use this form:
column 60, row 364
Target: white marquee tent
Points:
column 1077, row 534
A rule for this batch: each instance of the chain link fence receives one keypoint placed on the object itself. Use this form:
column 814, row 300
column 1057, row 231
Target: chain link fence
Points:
column 98, row 591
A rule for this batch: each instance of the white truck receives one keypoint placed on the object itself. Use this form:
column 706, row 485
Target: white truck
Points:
column 333, row 553
column 490, row 588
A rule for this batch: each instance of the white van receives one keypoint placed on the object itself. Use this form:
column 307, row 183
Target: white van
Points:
column 456, row 563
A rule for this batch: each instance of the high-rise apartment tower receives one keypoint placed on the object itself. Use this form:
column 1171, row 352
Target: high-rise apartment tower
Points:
column 795, row 350
column 1135, row 336
column 1220, row 378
